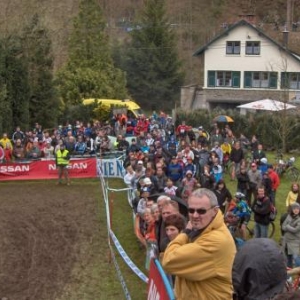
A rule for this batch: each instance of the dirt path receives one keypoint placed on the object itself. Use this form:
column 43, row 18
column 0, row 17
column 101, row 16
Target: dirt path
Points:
column 50, row 238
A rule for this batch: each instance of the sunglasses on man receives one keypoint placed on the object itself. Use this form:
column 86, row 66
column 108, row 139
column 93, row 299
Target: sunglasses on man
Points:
column 200, row 211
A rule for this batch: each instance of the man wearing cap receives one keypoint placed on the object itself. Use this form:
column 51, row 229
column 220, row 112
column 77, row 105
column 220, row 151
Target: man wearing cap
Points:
column 255, row 180
column 62, row 161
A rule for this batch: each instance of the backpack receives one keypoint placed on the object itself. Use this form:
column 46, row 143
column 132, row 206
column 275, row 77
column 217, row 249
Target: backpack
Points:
column 273, row 212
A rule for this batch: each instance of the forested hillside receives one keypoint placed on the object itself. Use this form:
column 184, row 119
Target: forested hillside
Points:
column 193, row 21
column 55, row 53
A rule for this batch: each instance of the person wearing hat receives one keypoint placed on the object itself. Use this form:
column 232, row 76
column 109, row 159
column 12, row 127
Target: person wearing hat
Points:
column 62, row 157
column 291, row 237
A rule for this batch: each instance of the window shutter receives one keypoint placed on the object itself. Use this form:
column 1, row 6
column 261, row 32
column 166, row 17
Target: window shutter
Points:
column 247, row 79
column 236, row 79
column 273, row 80
column 211, row 81
column 284, row 80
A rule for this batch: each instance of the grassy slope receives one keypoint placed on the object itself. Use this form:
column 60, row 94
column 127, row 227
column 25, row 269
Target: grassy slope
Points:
column 122, row 226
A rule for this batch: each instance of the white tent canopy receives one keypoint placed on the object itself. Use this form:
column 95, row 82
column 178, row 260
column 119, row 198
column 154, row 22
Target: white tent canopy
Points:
column 267, row 104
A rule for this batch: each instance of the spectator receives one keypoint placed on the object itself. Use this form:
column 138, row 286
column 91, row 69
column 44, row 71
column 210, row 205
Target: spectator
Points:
column 291, row 238
column 261, row 210
column 70, row 142
column 255, row 180
column 258, row 154
column 18, row 135
column 80, row 146
column 236, row 156
column 267, row 184
column 105, row 145
column 216, row 137
column 4, row 141
column 243, row 181
column 34, row 152
column 189, row 166
column 202, row 138
column 90, row 145
column 223, row 195
column 175, row 170
column 202, row 274
column 133, row 147
column 8, row 152
column 259, row 271
column 181, row 130
column 218, row 151
column 293, row 195
column 160, row 179
column 207, row 179
column 170, row 188
column 18, row 150
column 275, row 183
column 48, row 150
column 123, row 144
column 189, row 183
column 254, row 143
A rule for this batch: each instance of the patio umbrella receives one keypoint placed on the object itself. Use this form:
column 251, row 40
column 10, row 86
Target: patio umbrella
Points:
column 267, row 104
column 223, row 119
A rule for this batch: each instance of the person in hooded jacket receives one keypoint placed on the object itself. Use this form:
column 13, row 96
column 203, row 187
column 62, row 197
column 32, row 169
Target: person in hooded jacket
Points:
column 291, row 237
column 259, row 271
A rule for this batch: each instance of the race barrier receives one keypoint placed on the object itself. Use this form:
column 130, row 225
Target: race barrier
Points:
column 159, row 287
column 46, row 169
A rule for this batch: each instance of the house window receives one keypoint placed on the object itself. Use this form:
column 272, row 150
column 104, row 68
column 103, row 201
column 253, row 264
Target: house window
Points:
column 233, row 47
column 290, row 80
column 223, row 79
column 252, row 48
column 266, row 80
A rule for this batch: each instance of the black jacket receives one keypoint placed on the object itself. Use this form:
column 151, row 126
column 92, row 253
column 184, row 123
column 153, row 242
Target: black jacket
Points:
column 259, row 270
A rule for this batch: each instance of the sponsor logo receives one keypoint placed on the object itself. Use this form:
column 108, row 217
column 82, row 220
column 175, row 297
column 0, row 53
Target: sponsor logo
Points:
column 14, row 169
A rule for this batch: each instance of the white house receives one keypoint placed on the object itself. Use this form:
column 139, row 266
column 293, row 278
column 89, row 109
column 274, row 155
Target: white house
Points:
column 243, row 64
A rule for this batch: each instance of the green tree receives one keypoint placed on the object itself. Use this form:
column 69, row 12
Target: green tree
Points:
column 152, row 64
column 43, row 101
column 89, row 71
column 14, row 96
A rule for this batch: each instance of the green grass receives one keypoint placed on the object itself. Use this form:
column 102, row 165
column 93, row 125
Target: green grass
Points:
column 101, row 269
column 281, row 194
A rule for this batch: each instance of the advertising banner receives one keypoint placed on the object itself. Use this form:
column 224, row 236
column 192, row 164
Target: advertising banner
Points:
column 159, row 287
column 111, row 168
column 46, row 169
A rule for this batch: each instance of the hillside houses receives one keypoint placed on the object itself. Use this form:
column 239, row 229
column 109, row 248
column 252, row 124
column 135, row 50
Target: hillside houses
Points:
column 243, row 64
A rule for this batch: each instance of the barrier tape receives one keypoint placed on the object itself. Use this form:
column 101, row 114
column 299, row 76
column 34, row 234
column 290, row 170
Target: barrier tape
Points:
column 126, row 258
column 119, row 273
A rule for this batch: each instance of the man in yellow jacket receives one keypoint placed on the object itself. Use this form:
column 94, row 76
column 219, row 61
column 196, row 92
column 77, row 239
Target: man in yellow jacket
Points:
column 201, row 257
column 62, row 161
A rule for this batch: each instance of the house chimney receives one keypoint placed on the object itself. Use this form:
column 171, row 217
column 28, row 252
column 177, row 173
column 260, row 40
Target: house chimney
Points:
column 250, row 18
column 285, row 35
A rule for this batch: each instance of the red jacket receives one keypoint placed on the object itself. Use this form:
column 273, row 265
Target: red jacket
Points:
column 275, row 179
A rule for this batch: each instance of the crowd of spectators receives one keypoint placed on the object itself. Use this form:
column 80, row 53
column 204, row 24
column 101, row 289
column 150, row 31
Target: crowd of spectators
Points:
column 165, row 169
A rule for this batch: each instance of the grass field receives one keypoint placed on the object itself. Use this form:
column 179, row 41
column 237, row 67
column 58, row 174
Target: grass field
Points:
column 53, row 240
